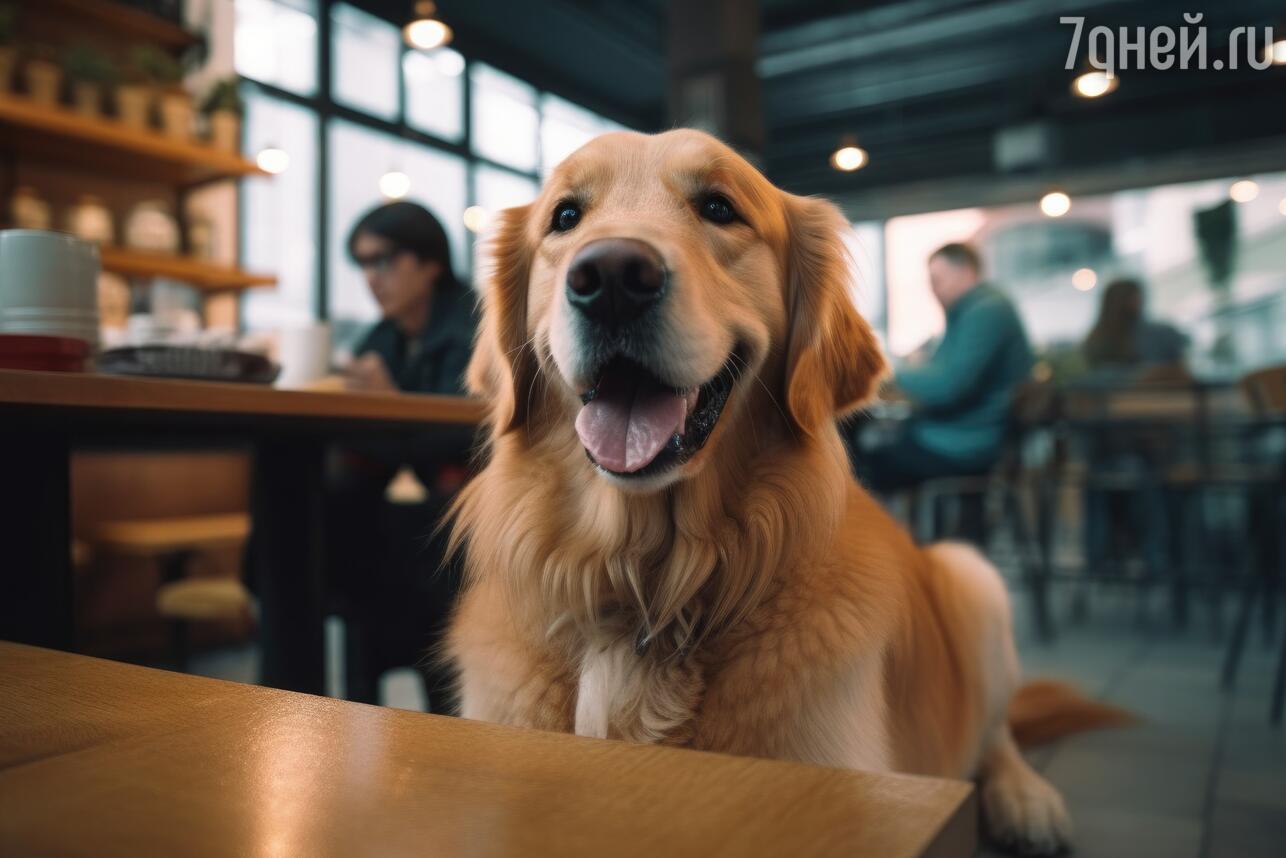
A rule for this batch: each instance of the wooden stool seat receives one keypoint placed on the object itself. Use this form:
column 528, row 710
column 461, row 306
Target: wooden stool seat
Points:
column 155, row 537
column 203, row 599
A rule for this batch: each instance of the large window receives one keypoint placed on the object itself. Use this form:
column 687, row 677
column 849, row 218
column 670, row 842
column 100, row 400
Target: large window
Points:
column 364, row 61
column 378, row 111
column 435, row 92
column 564, row 128
column 286, row 207
column 276, row 43
column 505, row 120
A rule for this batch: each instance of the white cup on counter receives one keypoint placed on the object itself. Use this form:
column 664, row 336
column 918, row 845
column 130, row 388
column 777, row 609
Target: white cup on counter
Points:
column 48, row 285
column 303, row 351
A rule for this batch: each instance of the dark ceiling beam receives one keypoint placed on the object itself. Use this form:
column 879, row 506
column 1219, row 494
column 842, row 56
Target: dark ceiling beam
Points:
column 872, row 85
column 848, row 40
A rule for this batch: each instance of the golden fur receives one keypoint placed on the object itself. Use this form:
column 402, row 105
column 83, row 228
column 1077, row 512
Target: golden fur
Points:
column 757, row 601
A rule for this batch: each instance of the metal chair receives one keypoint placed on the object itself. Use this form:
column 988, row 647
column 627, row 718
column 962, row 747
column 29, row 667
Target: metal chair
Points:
column 1266, row 390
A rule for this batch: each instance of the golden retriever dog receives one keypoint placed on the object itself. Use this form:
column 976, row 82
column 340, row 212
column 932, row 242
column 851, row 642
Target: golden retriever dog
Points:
column 666, row 543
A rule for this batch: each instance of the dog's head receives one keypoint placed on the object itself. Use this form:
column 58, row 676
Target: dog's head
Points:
column 659, row 291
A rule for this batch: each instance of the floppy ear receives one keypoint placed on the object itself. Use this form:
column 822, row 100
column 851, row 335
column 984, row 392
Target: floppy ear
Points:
column 833, row 361
column 503, row 366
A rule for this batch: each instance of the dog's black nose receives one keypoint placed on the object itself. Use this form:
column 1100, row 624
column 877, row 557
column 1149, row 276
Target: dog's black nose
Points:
column 613, row 281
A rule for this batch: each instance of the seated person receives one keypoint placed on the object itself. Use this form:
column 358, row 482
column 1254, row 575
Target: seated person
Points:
column 1125, row 348
column 1124, row 345
column 386, row 561
column 962, row 393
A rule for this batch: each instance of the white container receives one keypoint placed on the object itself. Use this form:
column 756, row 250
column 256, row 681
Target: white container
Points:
column 91, row 220
column 150, row 226
column 29, row 211
column 304, row 355
column 48, row 285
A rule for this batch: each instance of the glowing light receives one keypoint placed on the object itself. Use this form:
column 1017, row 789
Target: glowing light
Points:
column 1084, row 279
column 1281, row 207
column 427, row 35
column 1055, row 204
column 1095, row 84
column 1276, row 53
column 273, row 160
column 1243, row 191
column 425, row 32
column 476, row 218
column 395, row 184
column 849, row 158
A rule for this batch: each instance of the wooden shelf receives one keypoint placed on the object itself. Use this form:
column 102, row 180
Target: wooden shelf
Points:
column 118, row 21
column 106, row 146
column 196, row 272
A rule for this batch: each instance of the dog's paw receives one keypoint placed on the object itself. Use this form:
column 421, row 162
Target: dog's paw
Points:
column 1025, row 814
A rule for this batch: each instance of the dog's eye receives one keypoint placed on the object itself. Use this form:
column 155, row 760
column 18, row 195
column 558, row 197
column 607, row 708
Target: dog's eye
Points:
column 566, row 216
column 717, row 209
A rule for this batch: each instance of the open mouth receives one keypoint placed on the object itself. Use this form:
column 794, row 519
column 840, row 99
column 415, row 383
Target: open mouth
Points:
column 633, row 424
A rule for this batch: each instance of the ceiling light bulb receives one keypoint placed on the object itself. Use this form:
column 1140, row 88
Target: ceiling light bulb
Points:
column 476, row 218
column 424, row 31
column 395, row 184
column 1095, row 84
column 1276, row 53
column 1055, row 204
column 1084, row 279
column 426, row 34
column 272, row 160
column 849, row 158
column 1243, row 191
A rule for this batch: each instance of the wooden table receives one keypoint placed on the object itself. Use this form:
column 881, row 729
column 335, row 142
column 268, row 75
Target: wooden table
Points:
column 105, row 759
column 43, row 416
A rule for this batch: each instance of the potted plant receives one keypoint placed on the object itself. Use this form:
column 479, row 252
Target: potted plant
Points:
column 8, row 54
column 90, row 72
column 134, row 98
column 224, row 108
column 165, row 74
column 44, row 77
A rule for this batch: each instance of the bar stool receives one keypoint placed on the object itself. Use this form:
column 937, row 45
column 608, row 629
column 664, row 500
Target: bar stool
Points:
column 1266, row 390
column 172, row 543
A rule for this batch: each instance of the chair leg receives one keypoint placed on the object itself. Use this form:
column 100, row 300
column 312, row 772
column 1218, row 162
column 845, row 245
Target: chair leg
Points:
column 1179, row 561
column 1034, row 571
column 180, row 645
column 1279, row 686
column 1245, row 614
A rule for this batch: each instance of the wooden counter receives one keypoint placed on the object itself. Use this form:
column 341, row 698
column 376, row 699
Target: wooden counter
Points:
column 104, row 759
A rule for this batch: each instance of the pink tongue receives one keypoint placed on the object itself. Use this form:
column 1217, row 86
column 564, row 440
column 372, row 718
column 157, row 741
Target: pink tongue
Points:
column 624, row 430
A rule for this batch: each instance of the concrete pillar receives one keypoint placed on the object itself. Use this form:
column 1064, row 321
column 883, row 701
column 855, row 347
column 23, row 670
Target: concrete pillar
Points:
column 712, row 48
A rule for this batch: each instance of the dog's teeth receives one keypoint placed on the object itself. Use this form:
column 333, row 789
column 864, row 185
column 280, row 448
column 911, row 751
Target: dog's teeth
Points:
column 691, row 398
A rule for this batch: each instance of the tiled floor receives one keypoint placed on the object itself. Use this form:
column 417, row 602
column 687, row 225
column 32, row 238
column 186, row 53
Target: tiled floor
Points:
column 1202, row 776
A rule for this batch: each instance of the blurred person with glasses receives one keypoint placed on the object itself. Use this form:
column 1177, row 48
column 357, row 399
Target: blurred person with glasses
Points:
column 390, row 578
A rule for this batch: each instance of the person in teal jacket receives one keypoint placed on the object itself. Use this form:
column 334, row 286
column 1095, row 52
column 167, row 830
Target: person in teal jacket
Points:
column 962, row 394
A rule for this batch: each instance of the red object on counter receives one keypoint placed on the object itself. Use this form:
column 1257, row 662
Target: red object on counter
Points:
column 47, row 354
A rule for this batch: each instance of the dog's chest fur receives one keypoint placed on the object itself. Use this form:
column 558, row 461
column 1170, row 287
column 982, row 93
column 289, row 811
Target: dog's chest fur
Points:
column 638, row 698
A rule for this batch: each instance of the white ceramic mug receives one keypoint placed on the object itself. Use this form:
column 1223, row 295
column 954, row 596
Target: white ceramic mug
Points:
column 48, row 284
column 304, row 354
